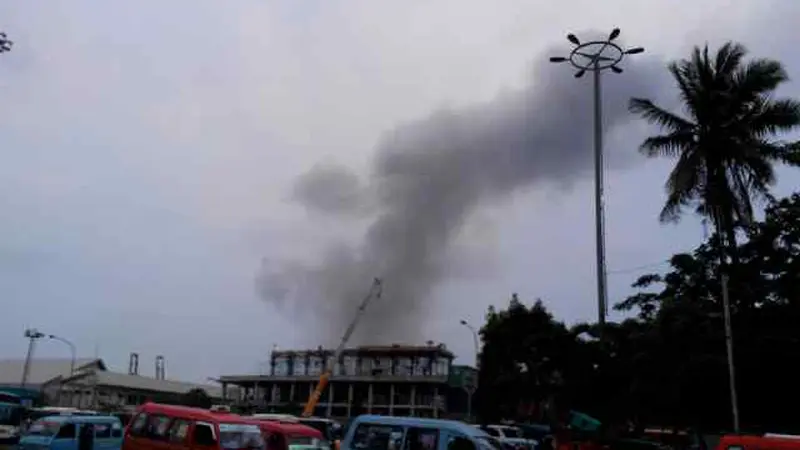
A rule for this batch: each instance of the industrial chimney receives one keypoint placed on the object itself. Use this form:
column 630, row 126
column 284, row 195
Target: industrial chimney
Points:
column 133, row 364
column 160, row 369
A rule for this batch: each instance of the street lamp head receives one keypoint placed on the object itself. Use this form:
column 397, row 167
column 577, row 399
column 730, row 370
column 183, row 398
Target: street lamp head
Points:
column 616, row 69
column 558, row 59
column 580, row 73
column 5, row 43
column 574, row 39
column 463, row 322
column 614, row 34
column 634, row 51
column 33, row 333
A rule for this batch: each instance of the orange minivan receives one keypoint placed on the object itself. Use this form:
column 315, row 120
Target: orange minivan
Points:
column 167, row 427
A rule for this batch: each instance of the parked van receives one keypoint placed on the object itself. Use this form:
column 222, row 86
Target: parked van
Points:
column 769, row 441
column 167, row 427
column 412, row 433
column 292, row 436
column 70, row 432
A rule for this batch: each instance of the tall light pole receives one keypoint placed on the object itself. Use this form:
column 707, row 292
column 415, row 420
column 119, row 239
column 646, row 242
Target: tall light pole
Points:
column 5, row 43
column 71, row 346
column 475, row 340
column 469, row 389
column 32, row 334
column 596, row 56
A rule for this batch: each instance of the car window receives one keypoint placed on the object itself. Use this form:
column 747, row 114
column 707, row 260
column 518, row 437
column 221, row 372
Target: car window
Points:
column 204, row 435
column 492, row 432
column 421, row 439
column 157, row 427
column 178, row 431
column 137, row 428
column 67, row 431
column 102, row 430
column 368, row 436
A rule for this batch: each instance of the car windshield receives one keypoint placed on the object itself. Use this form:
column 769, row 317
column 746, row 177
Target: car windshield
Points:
column 44, row 428
column 240, row 436
column 511, row 432
column 489, row 443
column 10, row 414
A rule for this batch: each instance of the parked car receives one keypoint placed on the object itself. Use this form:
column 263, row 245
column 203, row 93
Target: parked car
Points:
column 511, row 437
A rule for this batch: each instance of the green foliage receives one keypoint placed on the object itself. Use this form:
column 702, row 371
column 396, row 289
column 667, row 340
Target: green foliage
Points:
column 197, row 398
column 666, row 365
column 728, row 139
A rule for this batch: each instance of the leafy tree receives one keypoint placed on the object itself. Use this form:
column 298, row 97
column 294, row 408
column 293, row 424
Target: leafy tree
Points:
column 197, row 398
column 522, row 362
column 726, row 147
column 683, row 343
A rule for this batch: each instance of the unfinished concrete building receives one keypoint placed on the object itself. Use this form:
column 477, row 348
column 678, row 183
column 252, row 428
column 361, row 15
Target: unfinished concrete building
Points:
column 395, row 380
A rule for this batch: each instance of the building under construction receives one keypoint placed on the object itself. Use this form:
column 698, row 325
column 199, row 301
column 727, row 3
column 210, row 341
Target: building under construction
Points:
column 396, row 380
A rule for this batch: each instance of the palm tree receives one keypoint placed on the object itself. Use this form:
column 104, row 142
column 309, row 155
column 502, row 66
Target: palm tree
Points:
column 726, row 148
column 728, row 141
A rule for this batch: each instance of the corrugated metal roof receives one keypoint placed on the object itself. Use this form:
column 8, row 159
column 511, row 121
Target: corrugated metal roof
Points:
column 41, row 370
column 144, row 383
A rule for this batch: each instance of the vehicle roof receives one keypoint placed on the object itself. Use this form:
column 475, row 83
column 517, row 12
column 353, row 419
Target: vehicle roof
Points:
column 317, row 419
column 191, row 413
column 80, row 419
column 420, row 421
column 289, row 428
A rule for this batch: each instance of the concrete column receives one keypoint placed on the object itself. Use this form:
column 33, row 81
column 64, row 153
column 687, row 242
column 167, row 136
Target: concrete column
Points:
column 350, row 400
column 413, row 399
column 224, row 391
column 391, row 399
column 369, row 399
column 291, row 392
column 435, row 402
column 330, row 399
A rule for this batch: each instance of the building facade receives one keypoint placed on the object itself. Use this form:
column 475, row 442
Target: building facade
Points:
column 395, row 380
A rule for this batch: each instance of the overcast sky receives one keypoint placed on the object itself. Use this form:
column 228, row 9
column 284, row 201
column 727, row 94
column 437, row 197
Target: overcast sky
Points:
column 150, row 149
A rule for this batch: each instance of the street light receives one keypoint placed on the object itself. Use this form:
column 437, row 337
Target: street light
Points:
column 470, row 390
column 5, row 43
column 475, row 340
column 596, row 56
column 32, row 334
column 71, row 349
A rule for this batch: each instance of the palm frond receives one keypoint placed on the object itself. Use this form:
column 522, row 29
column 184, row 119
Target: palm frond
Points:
column 758, row 77
column 770, row 117
column 668, row 145
column 729, row 58
column 683, row 185
column 657, row 115
column 688, row 93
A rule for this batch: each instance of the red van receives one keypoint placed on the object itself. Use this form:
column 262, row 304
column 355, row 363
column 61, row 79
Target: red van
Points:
column 168, row 427
column 292, row 436
column 767, row 441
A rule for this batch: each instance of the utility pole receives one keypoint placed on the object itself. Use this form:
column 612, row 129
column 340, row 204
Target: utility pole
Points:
column 597, row 56
column 470, row 390
column 726, row 306
column 32, row 334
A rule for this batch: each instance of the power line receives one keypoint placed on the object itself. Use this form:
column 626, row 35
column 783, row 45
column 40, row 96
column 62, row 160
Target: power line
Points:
column 637, row 268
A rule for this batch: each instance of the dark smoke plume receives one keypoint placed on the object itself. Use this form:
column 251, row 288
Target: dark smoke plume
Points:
column 426, row 179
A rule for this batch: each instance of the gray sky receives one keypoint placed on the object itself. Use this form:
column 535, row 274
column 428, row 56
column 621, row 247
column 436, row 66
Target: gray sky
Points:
column 151, row 149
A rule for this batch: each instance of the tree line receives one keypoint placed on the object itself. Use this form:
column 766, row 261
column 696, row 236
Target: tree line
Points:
column 667, row 364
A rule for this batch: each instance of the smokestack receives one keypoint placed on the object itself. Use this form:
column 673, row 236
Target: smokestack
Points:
column 133, row 364
column 160, row 369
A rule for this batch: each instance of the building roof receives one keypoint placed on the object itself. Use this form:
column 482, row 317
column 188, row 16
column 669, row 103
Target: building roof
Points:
column 144, row 383
column 383, row 349
column 42, row 370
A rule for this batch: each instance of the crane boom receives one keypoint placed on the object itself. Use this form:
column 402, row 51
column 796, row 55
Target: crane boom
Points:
column 375, row 292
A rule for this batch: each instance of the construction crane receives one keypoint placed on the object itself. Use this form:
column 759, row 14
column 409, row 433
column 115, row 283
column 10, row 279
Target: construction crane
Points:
column 374, row 293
